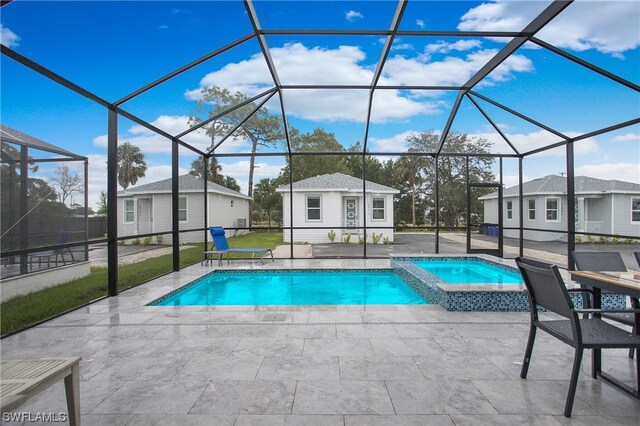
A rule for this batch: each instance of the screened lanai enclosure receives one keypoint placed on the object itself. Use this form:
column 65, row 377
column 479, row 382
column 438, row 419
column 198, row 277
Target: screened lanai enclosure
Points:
column 329, row 129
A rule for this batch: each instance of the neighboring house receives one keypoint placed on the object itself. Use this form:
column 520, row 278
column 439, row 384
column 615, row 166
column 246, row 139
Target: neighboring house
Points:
column 602, row 206
column 333, row 201
column 147, row 208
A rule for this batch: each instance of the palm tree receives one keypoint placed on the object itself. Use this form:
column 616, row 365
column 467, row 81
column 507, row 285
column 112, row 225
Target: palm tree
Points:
column 131, row 164
column 214, row 172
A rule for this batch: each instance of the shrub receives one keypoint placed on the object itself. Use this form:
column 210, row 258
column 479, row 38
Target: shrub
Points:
column 590, row 239
column 159, row 239
column 135, row 242
column 360, row 240
column 604, row 240
column 615, row 240
column 332, row 235
column 628, row 241
column 385, row 240
column 578, row 239
column 347, row 238
column 146, row 241
column 375, row 238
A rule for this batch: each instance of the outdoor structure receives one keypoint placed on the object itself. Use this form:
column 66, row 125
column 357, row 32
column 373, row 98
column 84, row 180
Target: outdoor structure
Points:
column 601, row 206
column 146, row 209
column 376, row 88
column 43, row 240
column 334, row 202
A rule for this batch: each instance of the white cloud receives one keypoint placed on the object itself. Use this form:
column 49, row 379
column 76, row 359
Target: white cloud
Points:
column 420, row 23
column 525, row 142
column 8, row 37
column 152, row 143
column 396, row 143
column 352, row 15
column 442, row 46
column 606, row 26
column 240, row 172
column 628, row 172
column 156, row 173
column 401, row 46
column 298, row 64
column 451, row 70
column 97, row 178
column 513, row 180
column 627, row 137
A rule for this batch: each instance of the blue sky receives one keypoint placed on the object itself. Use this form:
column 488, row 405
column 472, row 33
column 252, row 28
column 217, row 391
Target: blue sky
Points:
column 113, row 48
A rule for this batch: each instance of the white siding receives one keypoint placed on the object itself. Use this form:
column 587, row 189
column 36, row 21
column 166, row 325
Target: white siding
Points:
column 622, row 215
column 491, row 211
column 332, row 215
column 221, row 213
column 371, row 224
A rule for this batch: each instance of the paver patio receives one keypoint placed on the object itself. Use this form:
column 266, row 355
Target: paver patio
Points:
column 321, row 365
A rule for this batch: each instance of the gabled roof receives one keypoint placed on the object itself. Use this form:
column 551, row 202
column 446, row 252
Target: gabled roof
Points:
column 336, row 182
column 553, row 184
column 10, row 135
column 186, row 183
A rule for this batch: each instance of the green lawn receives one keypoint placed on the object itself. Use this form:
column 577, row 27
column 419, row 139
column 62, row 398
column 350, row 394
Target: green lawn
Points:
column 22, row 311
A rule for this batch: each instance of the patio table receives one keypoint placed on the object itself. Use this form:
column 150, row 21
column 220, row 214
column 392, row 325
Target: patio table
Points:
column 627, row 283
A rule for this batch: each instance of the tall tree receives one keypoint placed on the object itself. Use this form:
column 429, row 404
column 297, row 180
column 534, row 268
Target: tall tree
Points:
column 231, row 183
column 267, row 200
column 375, row 171
column 66, row 182
column 409, row 172
column 102, row 203
column 452, row 171
column 214, row 172
column 305, row 166
column 261, row 129
column 131, row 164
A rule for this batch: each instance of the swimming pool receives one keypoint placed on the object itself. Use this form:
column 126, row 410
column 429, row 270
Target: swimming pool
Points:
column 469, row 271
column 294, row 287
column 464, row 283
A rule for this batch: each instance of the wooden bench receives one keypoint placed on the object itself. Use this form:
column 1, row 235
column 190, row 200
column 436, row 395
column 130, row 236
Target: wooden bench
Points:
column 22, row 378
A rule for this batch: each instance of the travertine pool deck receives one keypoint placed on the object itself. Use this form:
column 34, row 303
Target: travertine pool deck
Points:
column 319, row 365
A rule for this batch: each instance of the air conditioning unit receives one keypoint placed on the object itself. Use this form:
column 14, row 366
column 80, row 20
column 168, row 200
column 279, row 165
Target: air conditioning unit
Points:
column 241, row 223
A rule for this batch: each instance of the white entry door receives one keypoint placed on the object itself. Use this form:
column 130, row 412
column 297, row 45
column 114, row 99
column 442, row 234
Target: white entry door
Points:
column 145, row 218
column 350, row 213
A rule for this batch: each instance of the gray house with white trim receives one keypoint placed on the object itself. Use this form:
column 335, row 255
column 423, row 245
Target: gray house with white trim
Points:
column 333, row 201
column 602, row 206
column 147, row 208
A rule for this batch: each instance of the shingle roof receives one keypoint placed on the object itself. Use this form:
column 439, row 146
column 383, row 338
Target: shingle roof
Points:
column 336, row 181
column 10, row 135
column 553, row 184
column 186, row 183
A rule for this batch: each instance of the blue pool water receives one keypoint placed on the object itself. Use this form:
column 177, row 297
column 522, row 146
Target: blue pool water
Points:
column 295, row 288
column 469, row 272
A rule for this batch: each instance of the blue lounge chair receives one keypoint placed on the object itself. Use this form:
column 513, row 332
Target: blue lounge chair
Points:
column 222, row 247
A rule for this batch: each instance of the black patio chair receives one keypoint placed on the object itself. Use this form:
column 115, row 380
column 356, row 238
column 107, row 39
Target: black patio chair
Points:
column 637, row 255
column 546, row 289
column 610, row 261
